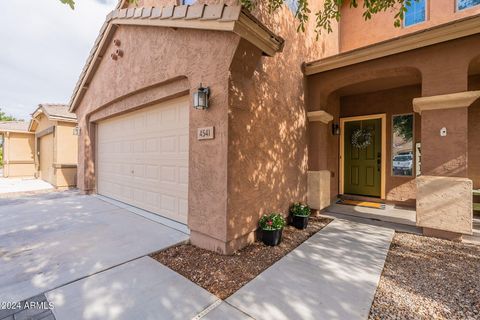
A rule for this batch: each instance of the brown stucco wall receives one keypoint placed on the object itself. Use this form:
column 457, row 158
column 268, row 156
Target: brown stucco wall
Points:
column 441, row 68
column 258, row 160
column 391, row 102
column 352, row 37
column 18, row 151
column 417, row 66
column 267, row 137
column 151, row 71
column 474, row 135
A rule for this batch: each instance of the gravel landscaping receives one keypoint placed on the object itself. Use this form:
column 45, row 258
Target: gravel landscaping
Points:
column 427, row 278
column 223, row 275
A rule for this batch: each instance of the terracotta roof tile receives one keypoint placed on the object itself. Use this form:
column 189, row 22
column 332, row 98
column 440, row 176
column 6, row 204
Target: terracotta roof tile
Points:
column 180, row 12
column 167, row 12
column 156, row 13
column 147, row 12
column 195, row 11
column 213, row 12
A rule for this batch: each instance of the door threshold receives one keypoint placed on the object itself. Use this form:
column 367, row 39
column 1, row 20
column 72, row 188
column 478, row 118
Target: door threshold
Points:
column 360, row 198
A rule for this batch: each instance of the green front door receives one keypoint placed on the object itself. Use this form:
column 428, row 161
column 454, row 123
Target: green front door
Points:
column 362, row 171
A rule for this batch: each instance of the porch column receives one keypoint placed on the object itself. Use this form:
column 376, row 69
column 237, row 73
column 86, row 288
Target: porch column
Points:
column 444, row 193
column 318, row 179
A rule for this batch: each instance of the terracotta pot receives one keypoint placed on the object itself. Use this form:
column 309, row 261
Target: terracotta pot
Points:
column 272, row 237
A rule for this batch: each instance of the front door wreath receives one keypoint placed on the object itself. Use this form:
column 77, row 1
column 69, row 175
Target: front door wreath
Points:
column 361, row 138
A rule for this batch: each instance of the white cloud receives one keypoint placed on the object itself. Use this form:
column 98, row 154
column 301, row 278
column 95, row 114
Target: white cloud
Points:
column 44, row 46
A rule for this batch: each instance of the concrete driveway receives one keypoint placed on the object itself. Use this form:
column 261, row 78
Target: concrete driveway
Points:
column 50, row 240
column 17, row 185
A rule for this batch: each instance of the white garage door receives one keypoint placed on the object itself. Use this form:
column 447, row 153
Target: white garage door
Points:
column 142, row 158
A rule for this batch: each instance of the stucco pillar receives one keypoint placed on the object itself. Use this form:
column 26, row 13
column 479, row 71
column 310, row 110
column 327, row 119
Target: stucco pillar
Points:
column 444, row 194
column 318, row 181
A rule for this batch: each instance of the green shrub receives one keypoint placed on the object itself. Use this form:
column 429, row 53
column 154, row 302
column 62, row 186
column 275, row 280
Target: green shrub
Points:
column 300, row 209
column 273, row 221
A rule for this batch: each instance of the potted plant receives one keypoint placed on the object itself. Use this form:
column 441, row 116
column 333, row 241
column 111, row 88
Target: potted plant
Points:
column 300, row 213
column 272, row 227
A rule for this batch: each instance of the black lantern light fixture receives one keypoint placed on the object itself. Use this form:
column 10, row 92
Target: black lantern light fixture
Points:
column 200, row 98
column 335, row 129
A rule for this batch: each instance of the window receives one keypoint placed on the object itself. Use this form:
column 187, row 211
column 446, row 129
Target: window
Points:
column 292, row 5
column 465, row 4
column 402, row 145
column 416, row 12
column 189, row 2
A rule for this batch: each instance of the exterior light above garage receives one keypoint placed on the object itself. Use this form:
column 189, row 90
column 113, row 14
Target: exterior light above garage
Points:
column 200, row 98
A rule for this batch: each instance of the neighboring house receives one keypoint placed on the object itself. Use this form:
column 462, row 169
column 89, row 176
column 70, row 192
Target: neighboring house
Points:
column 17, row 148
column 56, row 144
column 288, row 116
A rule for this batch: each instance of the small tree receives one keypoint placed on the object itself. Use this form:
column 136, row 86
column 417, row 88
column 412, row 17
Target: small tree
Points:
column 5, row 117
column 331, row 10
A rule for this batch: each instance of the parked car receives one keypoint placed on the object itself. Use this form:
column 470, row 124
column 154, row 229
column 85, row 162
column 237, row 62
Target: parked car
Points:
column 403, row 164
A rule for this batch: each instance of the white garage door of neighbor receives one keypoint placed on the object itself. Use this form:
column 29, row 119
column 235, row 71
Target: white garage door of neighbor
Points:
column 142, row 158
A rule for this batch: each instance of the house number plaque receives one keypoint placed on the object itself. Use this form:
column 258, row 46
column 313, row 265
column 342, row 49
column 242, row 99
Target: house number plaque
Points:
column 206, row 133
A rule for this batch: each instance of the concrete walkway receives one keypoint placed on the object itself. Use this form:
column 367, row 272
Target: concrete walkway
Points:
column 333, row 275
column 17, row 185
column 141, row 289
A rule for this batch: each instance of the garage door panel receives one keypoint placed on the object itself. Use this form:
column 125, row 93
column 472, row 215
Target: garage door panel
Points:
column 143, row 159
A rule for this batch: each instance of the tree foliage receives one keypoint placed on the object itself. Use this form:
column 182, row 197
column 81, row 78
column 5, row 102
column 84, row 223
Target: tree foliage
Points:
column 328, row 13
column 5, row 117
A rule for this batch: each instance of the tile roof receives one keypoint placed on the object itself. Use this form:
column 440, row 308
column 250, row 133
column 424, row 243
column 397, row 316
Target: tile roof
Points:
column 17, row 126
column 198, row 16
column 58, row 110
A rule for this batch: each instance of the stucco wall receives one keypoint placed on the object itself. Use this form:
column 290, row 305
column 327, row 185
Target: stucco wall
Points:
column 267, row 154
column 66, row 144
column 155, row 58
column 474, row 135
column 248, row 92
column 390, row 102
column 352, row 36
column 43, row 123
column 18, row 154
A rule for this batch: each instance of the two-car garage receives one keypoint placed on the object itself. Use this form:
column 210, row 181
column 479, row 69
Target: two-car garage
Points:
column 142, row 158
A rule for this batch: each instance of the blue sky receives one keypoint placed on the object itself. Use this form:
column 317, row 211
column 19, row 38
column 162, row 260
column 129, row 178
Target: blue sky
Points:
column 44, row 47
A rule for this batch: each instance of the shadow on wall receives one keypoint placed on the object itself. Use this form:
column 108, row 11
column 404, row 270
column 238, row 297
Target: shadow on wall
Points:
column 267, row 159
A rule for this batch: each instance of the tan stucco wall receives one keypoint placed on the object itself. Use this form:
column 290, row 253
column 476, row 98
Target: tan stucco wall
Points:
column 18, row 154
column 352, row 36
column 390, row 102
column 42, row 123
column 46, row 148
column 445, row 203
column 62, row 149
column 66, row 144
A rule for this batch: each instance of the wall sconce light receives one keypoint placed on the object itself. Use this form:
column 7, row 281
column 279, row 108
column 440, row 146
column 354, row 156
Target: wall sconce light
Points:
column 76, row 131
column 335, row 129
column 200, row 98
